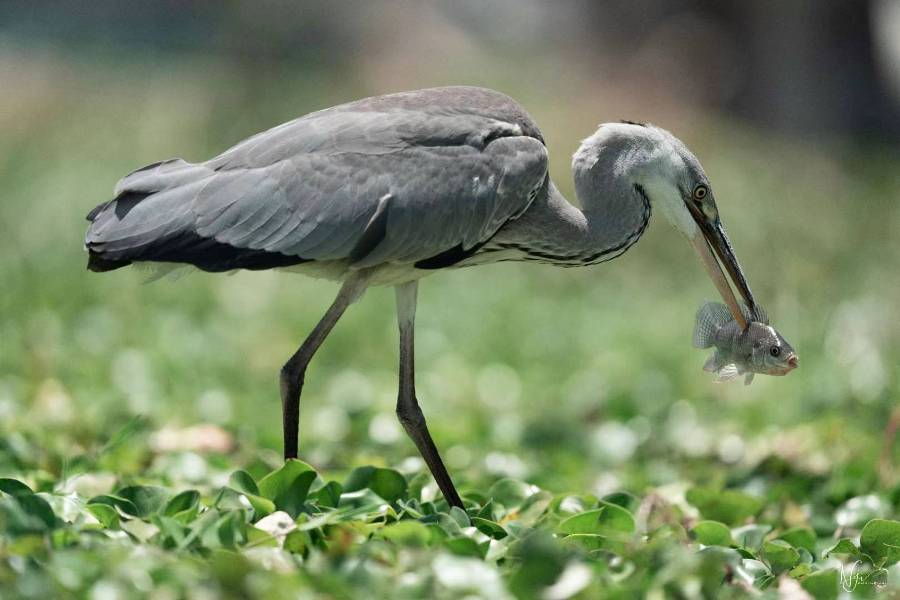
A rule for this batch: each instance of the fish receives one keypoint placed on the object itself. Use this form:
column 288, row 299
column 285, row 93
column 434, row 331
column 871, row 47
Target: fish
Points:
column 756, row 349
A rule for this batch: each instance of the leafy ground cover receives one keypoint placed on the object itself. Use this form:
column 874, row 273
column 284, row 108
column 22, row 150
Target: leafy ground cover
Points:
column 140, row 424
column 378, row 532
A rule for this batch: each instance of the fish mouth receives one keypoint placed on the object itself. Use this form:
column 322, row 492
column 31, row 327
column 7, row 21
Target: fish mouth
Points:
column 791, row 362
column 715, row 250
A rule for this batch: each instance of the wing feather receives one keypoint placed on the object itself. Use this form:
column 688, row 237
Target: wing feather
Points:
column 455, row 164
column 317, row 206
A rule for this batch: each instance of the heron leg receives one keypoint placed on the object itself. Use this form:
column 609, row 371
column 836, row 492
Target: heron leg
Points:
column 408, row 410
column 294, row 370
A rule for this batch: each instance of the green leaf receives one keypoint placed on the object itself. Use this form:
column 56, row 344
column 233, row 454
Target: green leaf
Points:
column 712, row 533
column 534, row 507
column 447, row 523
column 465, row 546
column 288, row 487
column 822, row 585
column 232, row 530
column 489, row 528
column 386, row 483
column 124, row 505
column 106, row 514
column 147, row 499
column 608, row 520
column 416, row 483
column 185, row 501
column 880, row 539
column 589, row 542
column 570, row 504
column 277, row 483
column 173, row 532
column 233, row 499
column 140, row 529
column 437, row 532
column 14, row 487
column 460, row 516
column 297, row 541
column 714, row 562
column 360, row 500
column 487, row 511
column 262, row 539
column 329, row 495
column 293, row 501
column 843, row 546
column 629, row 502
column 542, row 561
column 728, row 506
column 242, row 481
column 510, row 492
column 26, row 514
column 800, row 537
column 202, row 529
column 750, row 536
column 406, row 533
column 780, row 556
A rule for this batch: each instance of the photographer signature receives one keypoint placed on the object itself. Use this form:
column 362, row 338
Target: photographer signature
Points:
column 852, row 577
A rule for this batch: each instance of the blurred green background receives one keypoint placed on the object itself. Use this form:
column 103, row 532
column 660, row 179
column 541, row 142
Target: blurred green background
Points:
column 573, row 379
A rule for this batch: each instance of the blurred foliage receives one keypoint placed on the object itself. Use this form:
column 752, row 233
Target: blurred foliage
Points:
column 581, row 383
column 379, row 534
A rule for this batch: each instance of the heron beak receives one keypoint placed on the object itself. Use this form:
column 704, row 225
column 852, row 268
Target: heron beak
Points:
column 713, row 241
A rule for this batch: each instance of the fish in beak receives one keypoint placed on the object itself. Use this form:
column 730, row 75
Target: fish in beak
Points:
column 710, row 242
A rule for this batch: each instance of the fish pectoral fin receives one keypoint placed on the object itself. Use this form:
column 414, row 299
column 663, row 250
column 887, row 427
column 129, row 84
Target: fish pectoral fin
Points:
column 727, row 373
column 748, row 378
column 712, row 363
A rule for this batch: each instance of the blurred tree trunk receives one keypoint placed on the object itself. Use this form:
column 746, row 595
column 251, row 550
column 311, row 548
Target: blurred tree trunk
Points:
column 810, row 66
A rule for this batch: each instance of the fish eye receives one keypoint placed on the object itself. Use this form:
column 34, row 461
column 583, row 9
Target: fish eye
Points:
column 700, row 192
column 775, row 351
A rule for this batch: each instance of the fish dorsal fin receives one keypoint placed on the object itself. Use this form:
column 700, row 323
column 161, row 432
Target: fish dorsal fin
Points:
column 748, row 378
column 710, row 317
column 727, row 373
column 759, row 315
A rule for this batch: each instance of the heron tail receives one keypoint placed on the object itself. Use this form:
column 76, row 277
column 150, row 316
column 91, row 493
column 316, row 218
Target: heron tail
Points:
column 151, row 206
column 152, row 219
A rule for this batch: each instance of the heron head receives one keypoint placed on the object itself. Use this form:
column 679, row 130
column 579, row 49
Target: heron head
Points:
column 677, row 186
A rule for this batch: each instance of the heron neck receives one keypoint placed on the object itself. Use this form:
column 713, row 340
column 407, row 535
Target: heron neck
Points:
column 555, row 231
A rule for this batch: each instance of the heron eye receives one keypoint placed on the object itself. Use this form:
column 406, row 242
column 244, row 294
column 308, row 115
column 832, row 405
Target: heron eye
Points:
column 700, row 192
column 775, row 351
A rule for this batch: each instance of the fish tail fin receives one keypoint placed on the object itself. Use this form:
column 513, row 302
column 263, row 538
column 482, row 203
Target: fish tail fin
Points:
column 710, row 317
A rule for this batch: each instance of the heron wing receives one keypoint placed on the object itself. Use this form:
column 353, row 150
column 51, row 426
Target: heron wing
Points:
column 398, row 178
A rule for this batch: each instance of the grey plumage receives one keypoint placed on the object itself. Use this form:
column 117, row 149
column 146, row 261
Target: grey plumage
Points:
column 447, row 167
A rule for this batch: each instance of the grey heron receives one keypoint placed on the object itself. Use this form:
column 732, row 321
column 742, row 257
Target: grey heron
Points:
column 389, row 189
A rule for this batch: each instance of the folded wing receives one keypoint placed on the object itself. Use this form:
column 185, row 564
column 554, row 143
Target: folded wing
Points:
column 398, row 179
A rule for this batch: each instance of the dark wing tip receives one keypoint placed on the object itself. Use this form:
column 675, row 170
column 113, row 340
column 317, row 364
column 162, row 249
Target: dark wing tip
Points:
column 98, row 264
column 97, row 210
column 448, row 258
column 627, row 122
column 124, row 202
